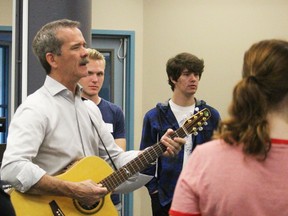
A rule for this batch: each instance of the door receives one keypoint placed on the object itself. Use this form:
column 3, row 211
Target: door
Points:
column 114, row 50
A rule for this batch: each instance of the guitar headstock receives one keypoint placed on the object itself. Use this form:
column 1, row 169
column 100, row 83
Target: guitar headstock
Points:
column 195, row 123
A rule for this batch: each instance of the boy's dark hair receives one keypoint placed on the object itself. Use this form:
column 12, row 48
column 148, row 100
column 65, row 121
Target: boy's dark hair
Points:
column 180, row 62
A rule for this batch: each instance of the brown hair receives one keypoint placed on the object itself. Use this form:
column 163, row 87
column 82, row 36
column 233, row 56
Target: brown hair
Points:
column 180, row 62
column 263, row 87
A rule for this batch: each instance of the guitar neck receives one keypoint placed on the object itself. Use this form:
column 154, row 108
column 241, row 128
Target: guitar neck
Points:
column 138, row 164
column 148, row 156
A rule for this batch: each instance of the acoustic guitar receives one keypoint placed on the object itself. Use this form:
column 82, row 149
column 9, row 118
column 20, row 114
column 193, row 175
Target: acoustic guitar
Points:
column 98, row 170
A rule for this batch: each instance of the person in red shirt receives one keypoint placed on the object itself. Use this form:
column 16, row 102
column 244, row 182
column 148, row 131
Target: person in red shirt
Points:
column 243, row 171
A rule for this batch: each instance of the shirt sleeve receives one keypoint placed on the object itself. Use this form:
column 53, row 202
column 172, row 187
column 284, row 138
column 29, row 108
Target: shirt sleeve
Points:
column 149, row 138
column 26, row 132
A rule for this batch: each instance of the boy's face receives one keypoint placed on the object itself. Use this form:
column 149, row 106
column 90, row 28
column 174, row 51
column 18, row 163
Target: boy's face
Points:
column 187, row 83
column 92, row 83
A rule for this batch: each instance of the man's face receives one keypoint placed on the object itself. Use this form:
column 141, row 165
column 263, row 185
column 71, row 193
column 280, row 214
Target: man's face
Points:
column 71, row 63
column 92, row 83
column 187, row 83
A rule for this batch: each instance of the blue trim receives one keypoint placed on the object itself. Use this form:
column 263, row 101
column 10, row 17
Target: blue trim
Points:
column 114, row 32
column 6, row 34
column 129, row 102
column 5, row 87
column 6, row 28
column 130, row 81
column 6, row 43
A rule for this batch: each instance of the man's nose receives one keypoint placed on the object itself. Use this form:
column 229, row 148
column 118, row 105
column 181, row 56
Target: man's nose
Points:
column 94, row 77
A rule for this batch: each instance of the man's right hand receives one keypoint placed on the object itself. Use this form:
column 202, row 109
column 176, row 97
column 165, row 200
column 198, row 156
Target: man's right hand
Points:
column 88, row 192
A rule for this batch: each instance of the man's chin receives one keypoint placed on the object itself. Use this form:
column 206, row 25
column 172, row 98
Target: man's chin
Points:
column 93, row 93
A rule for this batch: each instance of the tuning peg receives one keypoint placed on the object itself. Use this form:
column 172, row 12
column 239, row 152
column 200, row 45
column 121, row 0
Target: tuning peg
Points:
column 205, row 123
column 200, row 128
column 195, row 133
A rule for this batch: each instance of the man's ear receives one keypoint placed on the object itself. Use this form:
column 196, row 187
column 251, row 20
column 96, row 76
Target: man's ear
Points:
column 50, row 57
column 171, row 79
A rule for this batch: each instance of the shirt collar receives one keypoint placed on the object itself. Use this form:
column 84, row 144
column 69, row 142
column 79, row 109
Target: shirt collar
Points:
column 55, row 87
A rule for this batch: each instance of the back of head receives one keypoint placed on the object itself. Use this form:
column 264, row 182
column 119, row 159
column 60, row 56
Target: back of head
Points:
column 266, row 63
column 46, row 40
column 263, row 86
column 180, row 62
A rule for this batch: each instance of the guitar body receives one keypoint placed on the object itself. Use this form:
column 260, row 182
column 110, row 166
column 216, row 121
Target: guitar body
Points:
column 93, row 168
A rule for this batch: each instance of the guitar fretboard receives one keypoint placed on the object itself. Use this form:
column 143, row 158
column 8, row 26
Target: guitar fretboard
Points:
column 148, row 156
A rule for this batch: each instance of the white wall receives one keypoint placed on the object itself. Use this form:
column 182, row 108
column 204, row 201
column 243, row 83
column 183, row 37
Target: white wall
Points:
column 218, row 31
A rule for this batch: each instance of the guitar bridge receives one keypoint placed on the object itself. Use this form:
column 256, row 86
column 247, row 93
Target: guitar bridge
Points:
column 56, row 209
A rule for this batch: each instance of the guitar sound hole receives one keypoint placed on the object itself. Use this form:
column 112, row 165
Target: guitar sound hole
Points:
column 86, row 207
column 89, row 209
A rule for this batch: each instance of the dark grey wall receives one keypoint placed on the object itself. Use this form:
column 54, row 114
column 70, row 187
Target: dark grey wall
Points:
column 42, row 12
